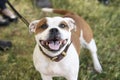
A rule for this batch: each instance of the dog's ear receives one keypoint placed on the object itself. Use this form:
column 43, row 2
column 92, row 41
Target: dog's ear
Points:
column 71, row 23
column 33, row 25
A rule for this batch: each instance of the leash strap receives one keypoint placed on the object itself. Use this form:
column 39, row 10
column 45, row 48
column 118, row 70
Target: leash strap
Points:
column 18, row 14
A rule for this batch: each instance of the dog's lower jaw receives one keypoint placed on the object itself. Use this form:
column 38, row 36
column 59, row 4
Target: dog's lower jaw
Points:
column 53, row 45
column 67, row 67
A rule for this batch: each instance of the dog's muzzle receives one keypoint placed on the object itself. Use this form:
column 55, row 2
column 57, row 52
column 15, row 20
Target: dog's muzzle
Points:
column 54, row 41
column 53, row 45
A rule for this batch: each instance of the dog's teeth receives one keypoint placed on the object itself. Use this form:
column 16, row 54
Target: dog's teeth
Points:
column 46, row 43
column 42, row 42
column 60, row 42
column 64, row 41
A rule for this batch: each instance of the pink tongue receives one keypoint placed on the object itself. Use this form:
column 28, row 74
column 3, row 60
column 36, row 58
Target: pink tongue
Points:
column 54, row 45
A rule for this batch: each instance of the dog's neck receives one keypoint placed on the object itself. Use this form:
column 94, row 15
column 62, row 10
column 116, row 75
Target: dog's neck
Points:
column 58, row 57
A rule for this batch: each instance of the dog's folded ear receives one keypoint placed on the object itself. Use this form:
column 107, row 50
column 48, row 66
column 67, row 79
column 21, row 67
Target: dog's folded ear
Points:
column 71, row 23
column 33, row 25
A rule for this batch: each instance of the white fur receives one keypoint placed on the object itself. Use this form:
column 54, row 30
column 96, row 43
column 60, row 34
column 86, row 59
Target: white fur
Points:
column 71, row 23
column 68, row 67
column 64, row 33
column 93, row 49
column 47, row 9
column 33, row 25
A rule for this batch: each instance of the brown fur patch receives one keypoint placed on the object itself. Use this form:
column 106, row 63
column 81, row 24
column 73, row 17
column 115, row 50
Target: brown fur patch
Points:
column 38, row 28
column 66, row 25
column 80, row 25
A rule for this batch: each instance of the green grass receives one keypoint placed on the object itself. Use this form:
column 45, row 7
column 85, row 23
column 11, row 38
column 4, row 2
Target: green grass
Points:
column 16, row 63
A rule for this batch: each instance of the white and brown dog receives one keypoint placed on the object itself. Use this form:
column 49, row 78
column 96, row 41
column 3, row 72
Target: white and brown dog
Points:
column 58, row 44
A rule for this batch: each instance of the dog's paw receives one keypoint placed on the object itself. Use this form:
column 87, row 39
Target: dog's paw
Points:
column 98, row 68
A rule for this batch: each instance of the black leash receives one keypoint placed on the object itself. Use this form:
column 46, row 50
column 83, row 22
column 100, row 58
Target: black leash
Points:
column 18, row 14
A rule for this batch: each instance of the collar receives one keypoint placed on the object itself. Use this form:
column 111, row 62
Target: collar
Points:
column 58, row 57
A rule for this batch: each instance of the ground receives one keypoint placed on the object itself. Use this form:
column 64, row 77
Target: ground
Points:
column 17, row 64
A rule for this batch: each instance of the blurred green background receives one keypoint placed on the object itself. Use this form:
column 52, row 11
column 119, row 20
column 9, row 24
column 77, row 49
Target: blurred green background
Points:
column 17, row 64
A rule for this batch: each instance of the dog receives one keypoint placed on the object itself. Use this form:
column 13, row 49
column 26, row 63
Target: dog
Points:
column 58, row 44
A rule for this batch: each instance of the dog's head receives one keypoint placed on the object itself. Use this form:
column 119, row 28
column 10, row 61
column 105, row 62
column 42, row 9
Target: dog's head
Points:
column 52, row 34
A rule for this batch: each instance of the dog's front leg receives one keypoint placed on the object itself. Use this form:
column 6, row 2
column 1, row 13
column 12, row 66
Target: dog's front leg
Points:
column 73, row 75
column 45, row 77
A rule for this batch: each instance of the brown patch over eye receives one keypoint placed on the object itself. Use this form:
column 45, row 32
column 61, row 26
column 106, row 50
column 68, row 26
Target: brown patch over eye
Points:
column 63, row 25
column 41, row 26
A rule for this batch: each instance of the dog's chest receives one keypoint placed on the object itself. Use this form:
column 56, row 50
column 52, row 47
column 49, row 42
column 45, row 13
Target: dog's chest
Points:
column 45, row 66
column 52, row 69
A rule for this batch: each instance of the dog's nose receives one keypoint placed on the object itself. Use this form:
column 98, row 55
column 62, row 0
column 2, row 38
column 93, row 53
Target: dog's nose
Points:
column 54, row 31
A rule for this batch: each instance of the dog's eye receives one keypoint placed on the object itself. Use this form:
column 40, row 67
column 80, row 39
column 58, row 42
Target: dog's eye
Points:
column 44, row 26
column 62, row 25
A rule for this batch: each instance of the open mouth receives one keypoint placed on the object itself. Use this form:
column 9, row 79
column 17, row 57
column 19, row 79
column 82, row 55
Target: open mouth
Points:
column 53, row 45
